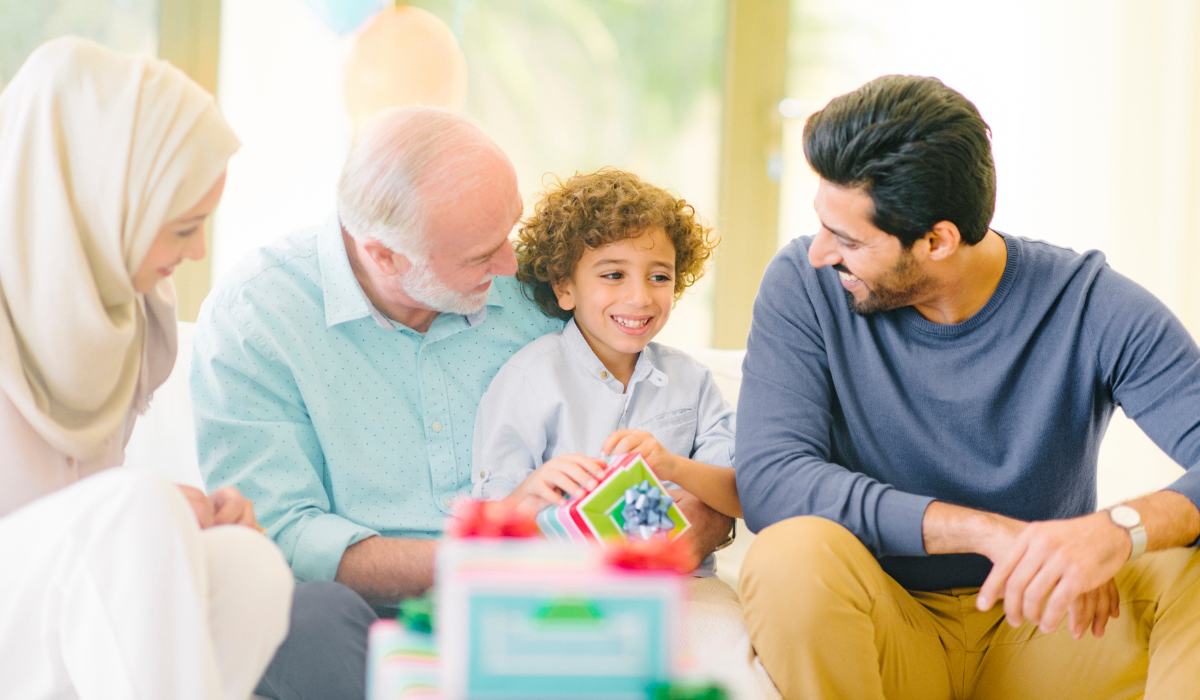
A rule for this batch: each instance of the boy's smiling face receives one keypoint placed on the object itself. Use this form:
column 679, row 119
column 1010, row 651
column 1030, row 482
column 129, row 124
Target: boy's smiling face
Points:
column 622, row 294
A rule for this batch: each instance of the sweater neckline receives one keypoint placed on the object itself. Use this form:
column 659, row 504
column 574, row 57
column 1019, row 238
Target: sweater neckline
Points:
column 1007, row 280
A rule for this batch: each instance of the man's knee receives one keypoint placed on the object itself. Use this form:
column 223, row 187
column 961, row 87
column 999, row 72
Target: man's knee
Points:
column 799, row 544
column 806, row 557
column 325, row 653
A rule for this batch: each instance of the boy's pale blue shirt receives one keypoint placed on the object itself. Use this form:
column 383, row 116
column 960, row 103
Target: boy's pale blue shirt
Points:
column 338, row 423
column 555, row 397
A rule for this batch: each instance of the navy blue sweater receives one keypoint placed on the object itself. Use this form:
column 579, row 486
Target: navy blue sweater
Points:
column 866, row 420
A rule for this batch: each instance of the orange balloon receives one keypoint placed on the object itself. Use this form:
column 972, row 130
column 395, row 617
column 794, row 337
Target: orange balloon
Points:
column 404, row 56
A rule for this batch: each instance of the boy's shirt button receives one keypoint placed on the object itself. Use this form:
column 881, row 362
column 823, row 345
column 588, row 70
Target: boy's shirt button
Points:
column 437, row 427
column 603, row 374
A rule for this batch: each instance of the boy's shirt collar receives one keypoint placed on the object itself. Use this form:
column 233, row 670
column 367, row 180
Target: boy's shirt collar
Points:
column 645, row 369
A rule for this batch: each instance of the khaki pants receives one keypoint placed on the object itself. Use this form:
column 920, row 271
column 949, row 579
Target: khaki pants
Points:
column 827, row 622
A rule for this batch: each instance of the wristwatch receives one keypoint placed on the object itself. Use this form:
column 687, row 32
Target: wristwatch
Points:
column 728, row 538
column 1131, row 520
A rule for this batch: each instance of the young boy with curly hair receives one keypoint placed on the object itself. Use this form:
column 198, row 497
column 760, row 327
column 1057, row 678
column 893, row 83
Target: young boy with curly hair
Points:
column 609, row 254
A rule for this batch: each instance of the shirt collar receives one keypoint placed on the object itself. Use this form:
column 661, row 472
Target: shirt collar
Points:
column 345, row 299
column 646, row 367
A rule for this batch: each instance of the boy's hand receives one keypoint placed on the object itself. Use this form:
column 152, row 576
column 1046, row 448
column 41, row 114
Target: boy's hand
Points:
column 566, row 474
column 660, row 459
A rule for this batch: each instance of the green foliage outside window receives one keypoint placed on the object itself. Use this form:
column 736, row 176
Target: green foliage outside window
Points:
column 124, row 25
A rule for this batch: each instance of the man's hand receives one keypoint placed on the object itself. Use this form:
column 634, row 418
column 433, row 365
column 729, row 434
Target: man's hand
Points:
column 226, row 506
column 551, row 483
column 1059, row 566
column 660, row 459
column 709, row 528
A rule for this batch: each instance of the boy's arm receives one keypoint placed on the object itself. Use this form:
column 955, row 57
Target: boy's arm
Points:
column 711, row 483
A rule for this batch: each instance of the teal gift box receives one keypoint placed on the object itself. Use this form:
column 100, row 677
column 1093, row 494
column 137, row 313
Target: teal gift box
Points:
column 533, row 620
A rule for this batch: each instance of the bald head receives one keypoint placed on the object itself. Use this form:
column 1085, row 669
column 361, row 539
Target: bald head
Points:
column 412, row 162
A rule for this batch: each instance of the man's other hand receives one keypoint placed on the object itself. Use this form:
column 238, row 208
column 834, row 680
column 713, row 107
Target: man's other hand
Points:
column 709, row 528
column 1057, row 567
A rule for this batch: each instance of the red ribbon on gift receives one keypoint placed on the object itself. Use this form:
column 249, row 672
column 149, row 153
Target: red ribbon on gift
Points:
column 490, row 519
column 656, row 554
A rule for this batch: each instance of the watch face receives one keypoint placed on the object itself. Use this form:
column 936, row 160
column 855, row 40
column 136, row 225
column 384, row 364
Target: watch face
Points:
column 1125, row 516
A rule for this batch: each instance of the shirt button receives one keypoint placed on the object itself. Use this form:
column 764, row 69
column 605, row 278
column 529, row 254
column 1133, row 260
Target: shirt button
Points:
column 437, row 428
column 603, row 374
column 447, row 500
column 482, row 474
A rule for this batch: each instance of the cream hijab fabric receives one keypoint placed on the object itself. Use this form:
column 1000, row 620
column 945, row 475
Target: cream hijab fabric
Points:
column 97, row 151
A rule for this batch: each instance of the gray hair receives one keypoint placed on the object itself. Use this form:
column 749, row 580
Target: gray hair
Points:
column 406, row 161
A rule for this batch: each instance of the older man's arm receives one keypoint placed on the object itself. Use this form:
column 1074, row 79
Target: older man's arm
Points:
column 254, row 432
column 709, row 528
column 383, row 570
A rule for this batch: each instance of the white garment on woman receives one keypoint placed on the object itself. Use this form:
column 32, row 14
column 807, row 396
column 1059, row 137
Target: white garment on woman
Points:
column 108, row 589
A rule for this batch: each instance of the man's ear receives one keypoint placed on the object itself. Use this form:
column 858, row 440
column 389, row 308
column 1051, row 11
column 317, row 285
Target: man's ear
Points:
column 943, row 239
column 387, row 261
column 562, row 290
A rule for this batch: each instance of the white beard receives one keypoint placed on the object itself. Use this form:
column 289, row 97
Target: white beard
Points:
column 424, row 288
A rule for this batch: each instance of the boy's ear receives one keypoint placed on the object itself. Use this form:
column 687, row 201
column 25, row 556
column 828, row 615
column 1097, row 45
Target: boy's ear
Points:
column 562, row 290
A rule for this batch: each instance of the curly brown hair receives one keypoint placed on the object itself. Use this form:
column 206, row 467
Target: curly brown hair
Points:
column 607, row 206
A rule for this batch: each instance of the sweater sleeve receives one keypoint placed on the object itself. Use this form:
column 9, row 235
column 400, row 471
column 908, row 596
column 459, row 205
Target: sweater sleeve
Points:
column 786, row 410
column 1151, row 365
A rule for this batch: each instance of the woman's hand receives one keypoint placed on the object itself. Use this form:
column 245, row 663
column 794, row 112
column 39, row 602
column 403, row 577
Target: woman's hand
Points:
column 226, row 506
column 660, row 459
column 551, row 484
column 232, row 508
column 201, row 506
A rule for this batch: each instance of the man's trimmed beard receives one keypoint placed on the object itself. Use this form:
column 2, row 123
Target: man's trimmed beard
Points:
column 423, row 287
column 899, row 286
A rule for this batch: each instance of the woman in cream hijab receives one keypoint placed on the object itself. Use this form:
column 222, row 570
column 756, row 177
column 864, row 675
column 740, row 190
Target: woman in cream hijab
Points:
column 118, row 584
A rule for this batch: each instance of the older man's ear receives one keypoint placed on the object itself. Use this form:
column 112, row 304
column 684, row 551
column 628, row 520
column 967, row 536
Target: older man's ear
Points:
column 386, row 260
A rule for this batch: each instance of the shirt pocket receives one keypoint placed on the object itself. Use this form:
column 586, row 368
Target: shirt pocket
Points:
column 674, row 430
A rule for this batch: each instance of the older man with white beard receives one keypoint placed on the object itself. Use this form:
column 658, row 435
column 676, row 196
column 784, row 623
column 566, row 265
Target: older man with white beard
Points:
column 337, row 371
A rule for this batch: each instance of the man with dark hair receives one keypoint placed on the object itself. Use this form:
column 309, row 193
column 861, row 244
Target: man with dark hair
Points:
column 921, row 411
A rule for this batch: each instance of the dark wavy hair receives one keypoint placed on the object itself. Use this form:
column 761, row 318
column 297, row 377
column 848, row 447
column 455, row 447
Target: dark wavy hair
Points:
column 607, row 206
column 919, row 149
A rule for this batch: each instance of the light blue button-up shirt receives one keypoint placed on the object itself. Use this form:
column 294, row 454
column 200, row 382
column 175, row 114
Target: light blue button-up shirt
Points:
column 337, row 422
column 556, row 397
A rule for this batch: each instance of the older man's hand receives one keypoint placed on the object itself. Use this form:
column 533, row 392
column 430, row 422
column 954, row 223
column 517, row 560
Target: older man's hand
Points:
column 709, row 528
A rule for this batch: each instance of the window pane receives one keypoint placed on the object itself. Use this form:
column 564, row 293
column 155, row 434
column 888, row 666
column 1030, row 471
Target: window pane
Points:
column 561, row 85
column 124, row 25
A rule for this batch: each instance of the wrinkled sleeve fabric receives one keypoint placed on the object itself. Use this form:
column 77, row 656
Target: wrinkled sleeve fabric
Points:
column 253, row 432
column 786, row 410
column 510, row 433
column 716, row 425
column 1151, row 365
